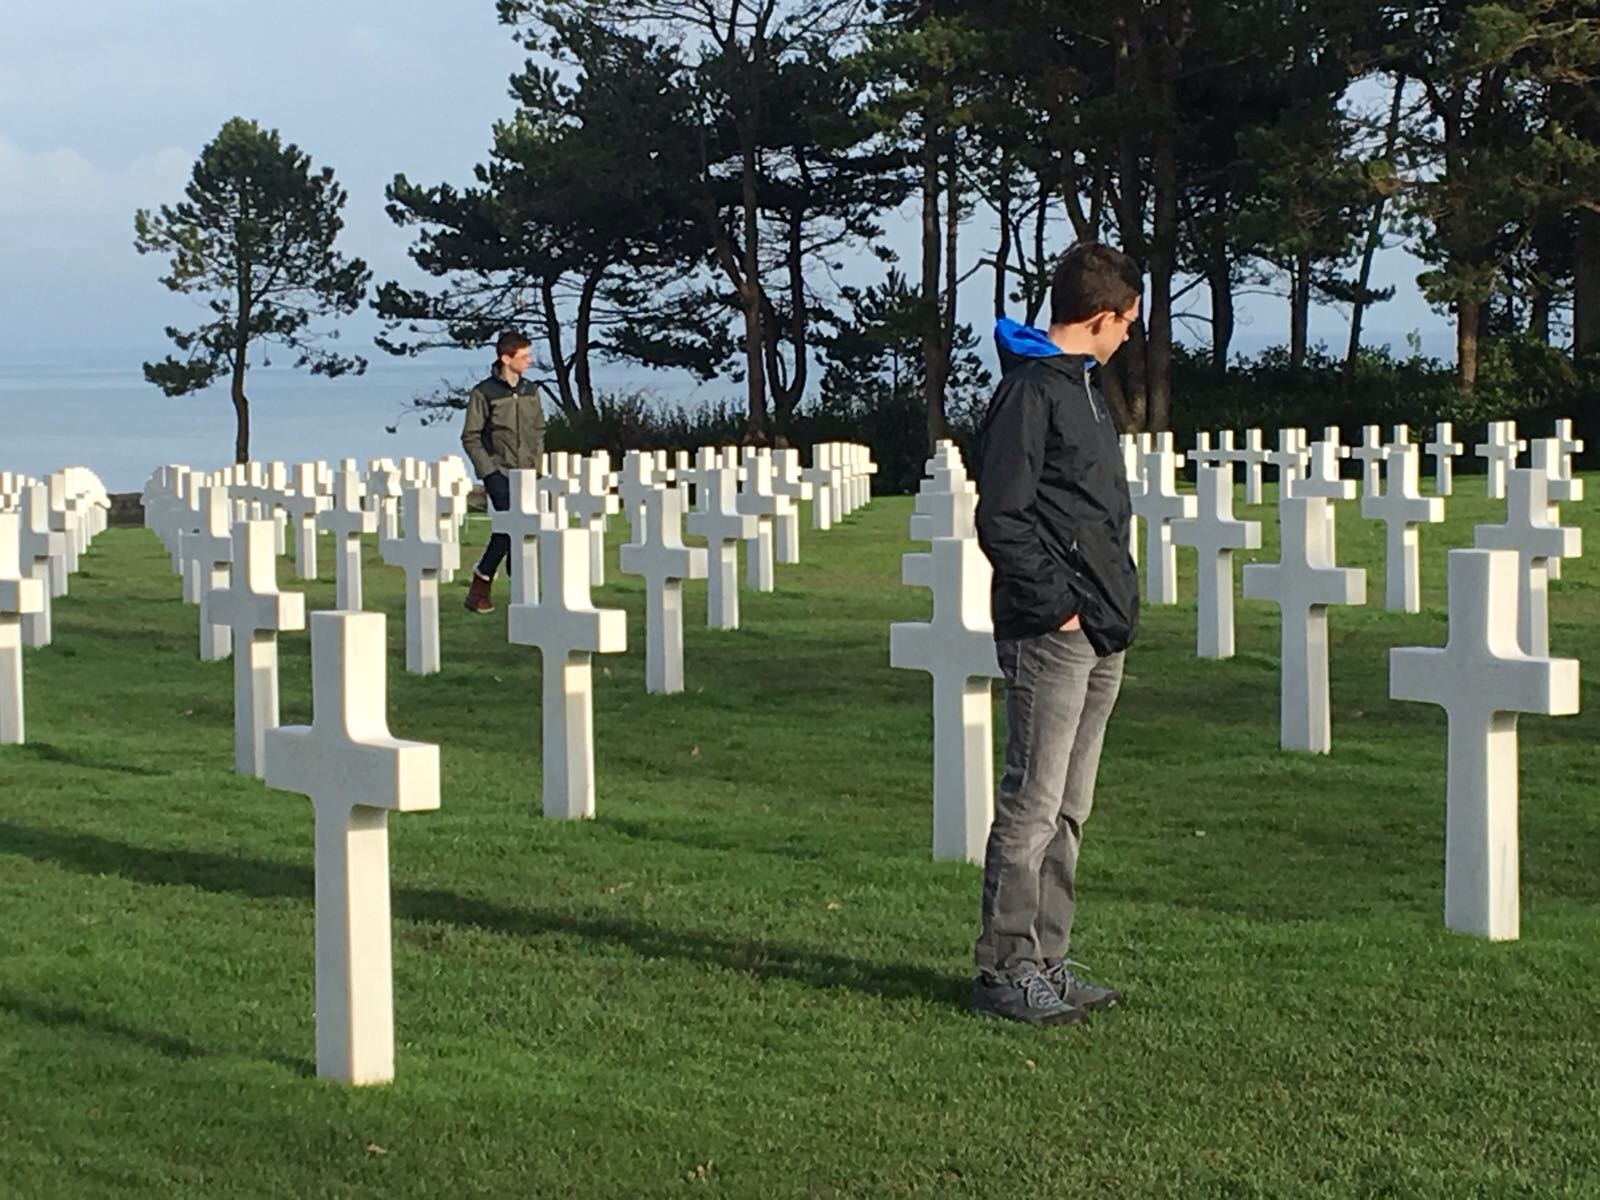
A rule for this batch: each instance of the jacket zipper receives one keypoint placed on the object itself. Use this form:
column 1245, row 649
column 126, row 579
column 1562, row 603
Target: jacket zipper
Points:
column 1088, row 390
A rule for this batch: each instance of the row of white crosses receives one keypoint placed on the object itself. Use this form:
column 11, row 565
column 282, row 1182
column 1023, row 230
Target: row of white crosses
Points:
column 45, row 526
column 956, row 647
column 355, row 773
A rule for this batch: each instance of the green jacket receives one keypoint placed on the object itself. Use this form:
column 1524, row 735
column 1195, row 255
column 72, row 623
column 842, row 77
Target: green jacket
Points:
column 505, row 427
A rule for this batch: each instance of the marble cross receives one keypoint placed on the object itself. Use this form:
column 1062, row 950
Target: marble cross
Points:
column 639, row 480
column 20, row 595
column 822, row 478
column 957, row 648
column 789, row 481
column 347, row 520
column 1569, row 445
column 1302, row 584
column 1444, row 450
column 568, row 630
column 1254, row 457
column 591, row 505
column 1482, row 680
column 723, row 526
column 523, row 523
column 1499, row 453
column 39, row 547
column 1531, row 531
column 1322, row 479
column 211, row 550
column 303, row 502
column 1371, row 454
column 355, row 774
column 1158, row 505
column 1289, row 459
column 664, row 562
column 1401, row 507
column 257, row 612
column 758, row 499
column 422, row 556
column 1215, row 535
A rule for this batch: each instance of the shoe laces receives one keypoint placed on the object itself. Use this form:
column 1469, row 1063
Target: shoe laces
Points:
column 1037, row 991
column 1065, row 972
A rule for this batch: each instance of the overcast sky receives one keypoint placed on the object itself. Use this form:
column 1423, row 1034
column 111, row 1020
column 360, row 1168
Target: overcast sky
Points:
column 103, row 107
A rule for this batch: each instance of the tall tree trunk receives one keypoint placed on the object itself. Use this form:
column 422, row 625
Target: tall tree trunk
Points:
column 1171, row 33
column 1374, row 235
column 1539, row 306
column 750, row 296
column 583, row 337
column 1219, row 276
column 1586, row 284
column 1469, row 316
column 785, row 396
column 1299, row 309
column 932, row 272
column 241, row 405
column 1002, row 254
column 553, row 342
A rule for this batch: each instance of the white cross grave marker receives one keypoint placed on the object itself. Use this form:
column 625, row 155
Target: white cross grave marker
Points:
column 1530, row 530
column 1444, row 450
column 355, row 774
column 38, row 547
column 1215, row 535
column 1499, row 453
column 789, row 481
column 723, row 526
column 19, row 596
column 1158, row 505
column 664, row 562
column 1371, row 454
column 758, row 499
column 422, row 556
column 1482, row 680
column 257, row 612
column 1302, row 584
column 211, row 550
column 957, row 648
column 567, row 629
column 1401, row 507
column 347, row 520
column 523, row 523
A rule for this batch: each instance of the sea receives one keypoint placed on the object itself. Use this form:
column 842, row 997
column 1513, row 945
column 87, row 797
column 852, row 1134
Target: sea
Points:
column 100, row 413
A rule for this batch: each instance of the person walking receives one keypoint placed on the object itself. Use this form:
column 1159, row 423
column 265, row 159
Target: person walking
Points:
column 504, row 432
column 1053, row 520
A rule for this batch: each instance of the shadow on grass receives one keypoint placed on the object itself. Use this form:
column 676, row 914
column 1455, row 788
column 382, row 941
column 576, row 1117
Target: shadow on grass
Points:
column 70, row 1017
column 264, row 879
column 63, row 1017
column 46, row 752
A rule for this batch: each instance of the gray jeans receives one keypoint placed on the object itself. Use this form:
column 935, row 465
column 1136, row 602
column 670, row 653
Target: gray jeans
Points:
column 1059, row 696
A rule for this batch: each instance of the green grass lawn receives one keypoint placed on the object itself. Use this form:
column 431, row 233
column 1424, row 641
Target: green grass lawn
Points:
column 747, row 978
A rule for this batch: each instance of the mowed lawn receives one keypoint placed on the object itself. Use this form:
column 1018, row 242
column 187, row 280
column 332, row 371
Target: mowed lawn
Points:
column 746, row 977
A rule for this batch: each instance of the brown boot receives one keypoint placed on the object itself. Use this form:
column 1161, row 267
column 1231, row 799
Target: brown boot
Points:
column 478, row 595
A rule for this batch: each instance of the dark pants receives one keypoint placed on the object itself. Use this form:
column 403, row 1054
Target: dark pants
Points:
column 1059, row 696
column 498, row 488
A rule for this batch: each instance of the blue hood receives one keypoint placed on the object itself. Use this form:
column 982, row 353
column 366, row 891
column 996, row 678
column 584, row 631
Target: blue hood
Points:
column 1019, row 343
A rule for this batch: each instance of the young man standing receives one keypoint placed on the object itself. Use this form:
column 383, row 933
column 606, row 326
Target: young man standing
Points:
column 504, row 432
column 1053, row 515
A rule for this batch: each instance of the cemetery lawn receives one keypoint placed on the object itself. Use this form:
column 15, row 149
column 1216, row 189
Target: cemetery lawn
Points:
column 747, row 978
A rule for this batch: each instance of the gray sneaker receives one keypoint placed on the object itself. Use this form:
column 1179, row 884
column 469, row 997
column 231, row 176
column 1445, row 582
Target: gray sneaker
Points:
column 1080, row 992
column 1030, row 999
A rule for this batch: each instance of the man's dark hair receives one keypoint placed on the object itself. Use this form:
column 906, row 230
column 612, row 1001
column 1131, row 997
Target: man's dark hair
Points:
column 1091, row 279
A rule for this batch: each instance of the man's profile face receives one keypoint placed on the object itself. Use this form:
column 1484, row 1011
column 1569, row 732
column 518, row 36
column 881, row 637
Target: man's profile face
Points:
column 518, row 363
column 1110, row 329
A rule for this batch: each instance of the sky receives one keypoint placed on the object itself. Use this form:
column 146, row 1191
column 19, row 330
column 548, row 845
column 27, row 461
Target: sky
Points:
column 105, row 112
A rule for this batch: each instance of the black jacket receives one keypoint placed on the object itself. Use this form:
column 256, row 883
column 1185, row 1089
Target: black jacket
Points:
column 1053, row 508
column 504, row 429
